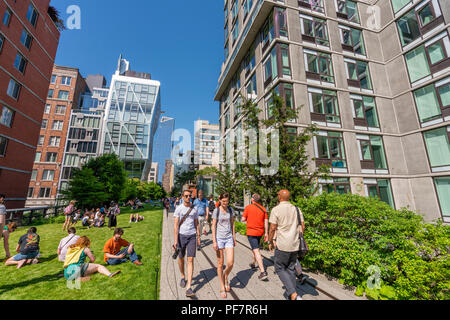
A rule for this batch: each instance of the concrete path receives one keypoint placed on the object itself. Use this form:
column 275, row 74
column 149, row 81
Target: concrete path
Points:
column 244, row 282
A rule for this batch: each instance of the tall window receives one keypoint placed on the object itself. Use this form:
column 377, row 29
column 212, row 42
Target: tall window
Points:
column 37, row 157
column 7, row 17
column 51, row 157
column 438, row 147
column 364, row 111
column 270, row 67
column 358, row 74
column 20, row 63
column 13, row 89
column 58, row 125
column 352, row 40
column 381, row 189
column 348, row 10
column 252, row 91
column 314, row 30
column 319, row 66
column 2, row 40
column 397, row 5
column 433, row 101
column 323, row 105
column 443, row 192
column 315, row 5
column 26, row 39
column 66, row 81
column 3, row 145
column 330, row 149
column 6, row 117
column 44, row 192
column 44, row 124
column 372, row 155
column 63, row 95
column 34, row 175
column 32, row 15
column 285, row 91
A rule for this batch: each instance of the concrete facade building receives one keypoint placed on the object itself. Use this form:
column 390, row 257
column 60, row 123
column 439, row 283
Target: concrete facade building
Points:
column 29, row 40
column 64, row 94
column 132, row 112
column 372, row 75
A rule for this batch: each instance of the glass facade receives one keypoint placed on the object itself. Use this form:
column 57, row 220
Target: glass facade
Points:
column 163, row 145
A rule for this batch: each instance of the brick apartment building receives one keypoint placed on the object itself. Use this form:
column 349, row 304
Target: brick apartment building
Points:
column 29, row 40
column 66, row 87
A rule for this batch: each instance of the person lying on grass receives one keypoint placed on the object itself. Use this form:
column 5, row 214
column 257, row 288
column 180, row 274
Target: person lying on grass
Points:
column 136, row 218
column 27, row 249
column 11, row 227
column 75, row 266
column 113, row 253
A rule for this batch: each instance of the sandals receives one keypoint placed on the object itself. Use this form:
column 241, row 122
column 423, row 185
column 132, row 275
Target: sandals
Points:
column 223, row 294
column 227, row 287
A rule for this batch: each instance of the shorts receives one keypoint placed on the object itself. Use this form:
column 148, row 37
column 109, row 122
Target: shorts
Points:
column 254, row 242
column 75, row 271
column 201, row 221
column 22, row 256
column 225, row 243
column 189, row 244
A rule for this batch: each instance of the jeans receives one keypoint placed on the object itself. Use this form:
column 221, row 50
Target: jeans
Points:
column 285, row 267
column 132, row 257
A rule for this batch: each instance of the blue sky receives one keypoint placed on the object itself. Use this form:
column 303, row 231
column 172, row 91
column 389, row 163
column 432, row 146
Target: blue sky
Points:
column 179, row 42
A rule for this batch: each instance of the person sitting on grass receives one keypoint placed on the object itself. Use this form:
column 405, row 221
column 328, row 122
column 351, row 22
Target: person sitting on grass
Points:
column 136, row 218
column 66, row 242
column 76, row 217
column 27, row 249
column 75, row 266
column 100, row 222
column 6, row 232
column 113, row 253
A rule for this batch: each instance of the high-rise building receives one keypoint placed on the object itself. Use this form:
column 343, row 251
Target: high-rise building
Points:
column 154, row 173
column 64, row 94
column 372, row 75
column 29, row 39
column 132, row 112
column 163, row 145
column 206, row 144
column 168, row 176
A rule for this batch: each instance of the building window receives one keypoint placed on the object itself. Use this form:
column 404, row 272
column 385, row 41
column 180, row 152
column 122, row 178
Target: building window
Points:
column 66, row 81
column 48, row 175
column 314, row 30
column 323, row 105
column 13, row 89
column 352, row 40
column 26, row 39
column 358, row 74
column 60, row 110
column 348, row 10
column 50, row 94
column 285, row 60
column 47, row 109
column 37, row 157
column 41, row 140
column 337, row 185
column 7, row 116
column 285, row 91
column 397, row 5
column 44, row 192
column 329, row 149
column 30, row 193
column 58, row 125
column 54, row 141
column 438, row 147
column 44, row 124
column 252, row 91
column 364, row 111
column 315, row 5
column 20, row 63
column 3, row 146
column 63, row 95
column 443, row 192
column 433, row 101
column 54, row 78
column 319, row 66
column 270, row 68
column 7, row 17
column 249, row 61
column 51, row 157
column 34, row 175
column 2, row 40
column 381, row 189
column 32, row 15
column 371, row 153
column 428, row 59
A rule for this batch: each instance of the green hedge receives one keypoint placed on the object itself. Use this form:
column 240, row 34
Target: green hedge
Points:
column 347, row 234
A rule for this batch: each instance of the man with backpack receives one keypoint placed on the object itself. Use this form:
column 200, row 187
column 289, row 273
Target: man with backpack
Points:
column 186, row 239
column 257, row 226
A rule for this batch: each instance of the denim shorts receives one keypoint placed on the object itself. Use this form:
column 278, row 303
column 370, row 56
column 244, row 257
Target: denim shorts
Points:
column 21, row 256
column 225, row 243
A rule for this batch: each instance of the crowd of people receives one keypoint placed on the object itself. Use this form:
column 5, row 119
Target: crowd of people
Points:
column 74, row 250
column 286, row 226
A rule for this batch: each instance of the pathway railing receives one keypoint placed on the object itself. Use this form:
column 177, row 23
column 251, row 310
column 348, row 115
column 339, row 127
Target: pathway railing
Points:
column 26, row 216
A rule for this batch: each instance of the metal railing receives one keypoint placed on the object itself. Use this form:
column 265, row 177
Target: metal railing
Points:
column 26, row 216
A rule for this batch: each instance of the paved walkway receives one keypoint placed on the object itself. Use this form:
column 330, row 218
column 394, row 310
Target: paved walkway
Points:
column 244, row 282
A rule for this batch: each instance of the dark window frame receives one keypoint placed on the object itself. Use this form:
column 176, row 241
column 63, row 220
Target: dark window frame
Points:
column 329, row 161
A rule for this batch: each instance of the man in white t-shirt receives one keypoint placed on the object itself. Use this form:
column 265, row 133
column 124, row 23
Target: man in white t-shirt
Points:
column 186, row 237
column 66, row 242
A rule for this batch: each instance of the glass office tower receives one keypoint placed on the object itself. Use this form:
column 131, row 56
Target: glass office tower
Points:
column 131, row 119
column 163, row 145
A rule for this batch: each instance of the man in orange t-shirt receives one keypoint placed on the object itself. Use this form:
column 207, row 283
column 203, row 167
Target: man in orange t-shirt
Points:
column 113, row 253
column 257, row 226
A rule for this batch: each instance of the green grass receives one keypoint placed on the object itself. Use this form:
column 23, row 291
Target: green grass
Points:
column 43, row 281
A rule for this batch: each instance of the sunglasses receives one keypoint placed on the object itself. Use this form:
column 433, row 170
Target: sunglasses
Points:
column 188, row 196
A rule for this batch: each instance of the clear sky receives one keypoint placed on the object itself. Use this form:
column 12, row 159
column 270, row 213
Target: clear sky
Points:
column 179, row 42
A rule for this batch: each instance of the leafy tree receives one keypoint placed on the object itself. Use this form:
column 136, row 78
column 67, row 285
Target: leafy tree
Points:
column 134, row 188
column 181, row 179
column 86, row 189
column 294, row 173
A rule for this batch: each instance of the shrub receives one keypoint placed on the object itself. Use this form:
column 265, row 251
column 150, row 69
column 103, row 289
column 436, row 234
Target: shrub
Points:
column 347, row 234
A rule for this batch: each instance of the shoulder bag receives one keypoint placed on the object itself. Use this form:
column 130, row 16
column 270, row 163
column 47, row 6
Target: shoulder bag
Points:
column 303, row 248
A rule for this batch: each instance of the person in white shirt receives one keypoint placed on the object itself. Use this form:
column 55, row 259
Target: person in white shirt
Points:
column 2, row 212
column 66, row 242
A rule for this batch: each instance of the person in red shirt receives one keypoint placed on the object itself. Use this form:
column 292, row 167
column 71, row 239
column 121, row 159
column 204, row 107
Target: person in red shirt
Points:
column 113, row 253
column 257, row 226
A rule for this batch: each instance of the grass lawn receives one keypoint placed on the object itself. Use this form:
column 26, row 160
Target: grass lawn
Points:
column 43, row 281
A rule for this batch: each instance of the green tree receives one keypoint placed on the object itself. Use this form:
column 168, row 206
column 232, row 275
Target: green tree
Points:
column 86, row 189
column 294, row 173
